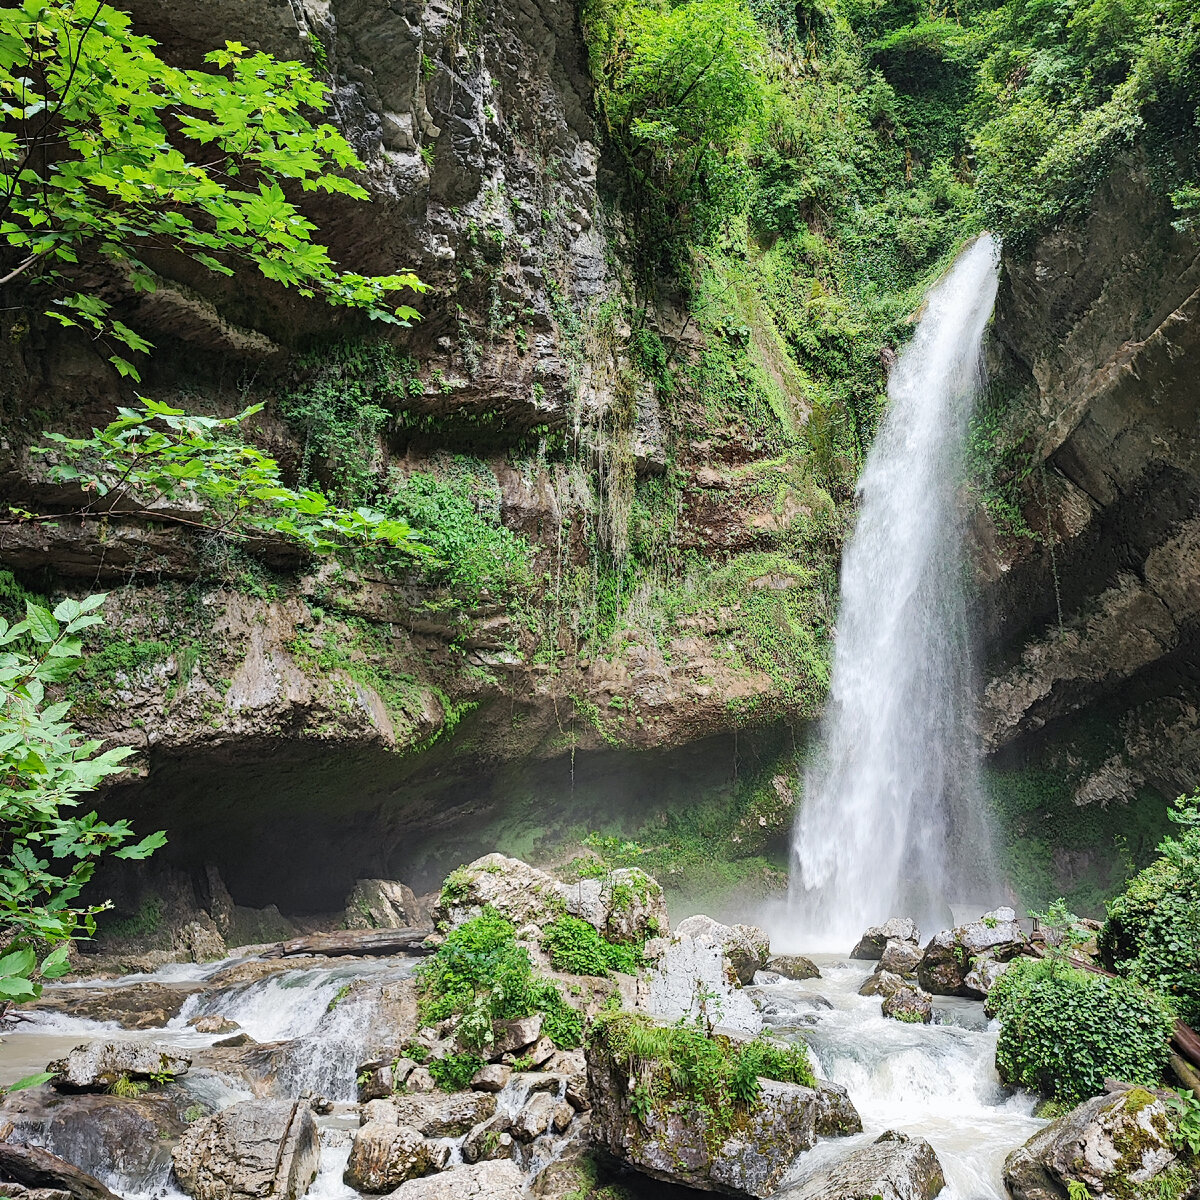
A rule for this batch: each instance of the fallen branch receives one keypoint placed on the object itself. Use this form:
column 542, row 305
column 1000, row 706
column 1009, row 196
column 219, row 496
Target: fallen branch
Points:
column 370, row 942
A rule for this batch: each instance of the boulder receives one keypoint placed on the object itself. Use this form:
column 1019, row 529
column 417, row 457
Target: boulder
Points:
column 201, row 940
column 213, row 1024
column 385, row 1155
column 882, row 983
column 909, row 1004
column 948, row 958
column 901, row 958
column 626, row 905
column 693, row 980
column 745, row 946
column 494, row 1180
column 378, row 1078
column 31, row 1173
column 894, row 1167
column 1110, row 1145
column 251, row 1149
column 679, row 1143
column 489, row 1140
column 114, row 1138
column 382, row 904
column 97, row 1066
column 435, row 1114
column 536, row 1117
column 873, row 943
column 793, row 966
column 981, row 978
column 491, row 1078
column 512, row 1036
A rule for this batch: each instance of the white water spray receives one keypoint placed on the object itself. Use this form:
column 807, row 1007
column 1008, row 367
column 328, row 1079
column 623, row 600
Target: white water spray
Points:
column 891, row 822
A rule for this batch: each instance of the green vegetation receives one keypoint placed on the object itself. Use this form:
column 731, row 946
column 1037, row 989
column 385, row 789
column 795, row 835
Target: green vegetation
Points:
column 481, row 975
column 1152, row 934
column 109, row 154
column 50, row 851
column 1064, row 1031
column 686, row 1069
column 454, row 1072
column 576, row 946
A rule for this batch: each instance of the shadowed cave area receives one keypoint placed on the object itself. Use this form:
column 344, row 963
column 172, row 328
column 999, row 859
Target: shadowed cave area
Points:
column 295, row 824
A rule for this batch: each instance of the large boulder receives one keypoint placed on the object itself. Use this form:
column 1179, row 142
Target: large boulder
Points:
column 382, row 904
column 492, row 1180
column 435, row 1114
column 1112, row 1145
column 625, row 905
column 793, row 966
column 894, row 1167
column 384, row 1155
column 872, row 943
column 909, row 1004
column 252, row 1149
column 694, row 980
column 901, row 958
column 131, row 1006
column 98, row 1066
column 678, row 1142
column 882, row 983
column 745, row 946
column 113, row 1138
column 950, row 955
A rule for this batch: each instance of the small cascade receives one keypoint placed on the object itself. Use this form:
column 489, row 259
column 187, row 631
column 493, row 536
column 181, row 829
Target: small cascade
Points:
column 891, row 822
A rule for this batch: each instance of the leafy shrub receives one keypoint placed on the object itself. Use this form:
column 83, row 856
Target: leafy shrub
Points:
column 683, row 1068
column 481, row 975
column 576, row 946
column 1152, row 934
column 1064, row 1031
column 455, row 1072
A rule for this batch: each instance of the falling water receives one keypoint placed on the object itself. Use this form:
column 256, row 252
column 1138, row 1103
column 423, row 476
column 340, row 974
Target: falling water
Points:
column 891, row 822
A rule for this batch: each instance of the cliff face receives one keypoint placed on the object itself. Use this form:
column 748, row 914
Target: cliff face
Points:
column 284, row 686
column 1093, row 616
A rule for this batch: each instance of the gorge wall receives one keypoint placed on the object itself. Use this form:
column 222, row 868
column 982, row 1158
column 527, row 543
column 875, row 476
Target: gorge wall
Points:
column 655, row 467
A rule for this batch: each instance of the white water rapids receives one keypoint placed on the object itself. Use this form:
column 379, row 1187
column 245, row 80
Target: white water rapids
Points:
column 891, row 822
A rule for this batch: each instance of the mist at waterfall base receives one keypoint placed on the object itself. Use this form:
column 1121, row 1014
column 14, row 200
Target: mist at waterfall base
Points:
column 891, row 819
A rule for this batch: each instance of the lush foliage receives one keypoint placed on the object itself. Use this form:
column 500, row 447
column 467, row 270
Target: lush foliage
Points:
column 1063, row 1031
column 1152, row 934
column 576, row 946
column 49, row 850
column 109, row 156
column 684, row 1068
column 154, row 460
column 480, row 975
column 454, row 1072
column 475, row 555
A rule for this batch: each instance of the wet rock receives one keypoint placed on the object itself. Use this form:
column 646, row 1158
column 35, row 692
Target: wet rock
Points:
column 910, row 1005
column 1110, row 1145
column 201, row 940
column 481, row 1181
column 489, row 1140
column 213, row 1025
column 32, row 1173
column 793, row 966
column 881, row 983
column 97, row 1066
column 378, row 1078
column 948, row 958
column 745, row 946
column 535, row 1118
column 110, row 1137
column 901, row 958
column 895, row 1167
column 435, row 1114
column 873, row 943
column 321, row 1105
column 679, row 1144
column 132, row 1006
column 382, row 904
column 491, row 1078
column 252, row 1149
column 384, row 1155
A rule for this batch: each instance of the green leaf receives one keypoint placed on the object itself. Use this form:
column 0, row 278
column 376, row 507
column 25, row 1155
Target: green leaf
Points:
column 42, row 625
column 31, row 1081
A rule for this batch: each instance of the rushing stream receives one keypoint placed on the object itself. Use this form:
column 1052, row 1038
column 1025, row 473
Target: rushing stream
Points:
column 935, row 1081
column 891, row 822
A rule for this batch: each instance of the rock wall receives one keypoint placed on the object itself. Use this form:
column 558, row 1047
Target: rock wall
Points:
column 1092, row 618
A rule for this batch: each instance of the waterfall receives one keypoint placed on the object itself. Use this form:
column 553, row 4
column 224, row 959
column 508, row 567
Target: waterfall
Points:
column 891, row 822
